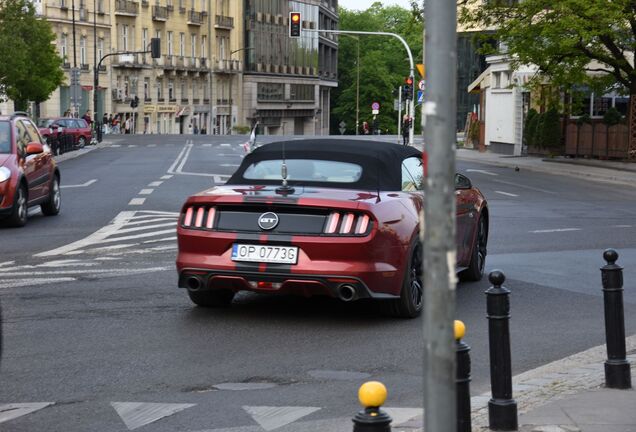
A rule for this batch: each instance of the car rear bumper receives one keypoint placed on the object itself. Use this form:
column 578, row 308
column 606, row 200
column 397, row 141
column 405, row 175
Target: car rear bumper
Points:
column 346, row 288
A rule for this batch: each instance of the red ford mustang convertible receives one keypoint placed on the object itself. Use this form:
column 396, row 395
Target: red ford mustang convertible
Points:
column 321, row 217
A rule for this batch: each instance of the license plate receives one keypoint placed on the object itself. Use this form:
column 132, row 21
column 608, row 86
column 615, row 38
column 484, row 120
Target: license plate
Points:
column 265, row 253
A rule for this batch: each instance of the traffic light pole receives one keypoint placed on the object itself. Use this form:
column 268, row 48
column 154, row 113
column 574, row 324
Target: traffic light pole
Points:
column 411, row 105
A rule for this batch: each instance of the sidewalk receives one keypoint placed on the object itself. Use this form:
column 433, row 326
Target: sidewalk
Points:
column 623, row 173
column 567, row 395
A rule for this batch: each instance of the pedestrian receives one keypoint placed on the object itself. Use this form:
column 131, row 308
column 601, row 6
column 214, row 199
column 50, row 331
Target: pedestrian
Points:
column 406, row 127
column 115, row 124
column 127, row 125
column 190, row 128
column 87, row 118
column 365, row 128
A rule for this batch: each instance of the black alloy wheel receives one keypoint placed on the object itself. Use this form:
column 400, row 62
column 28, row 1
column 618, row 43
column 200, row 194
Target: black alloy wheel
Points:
column 81, row 142
column 476, row 269
column 54, row 203
column 411, row 300
column 19, row 214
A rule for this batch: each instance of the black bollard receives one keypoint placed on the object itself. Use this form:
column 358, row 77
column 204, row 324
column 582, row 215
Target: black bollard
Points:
column 617, row 368
column 502, row 408
column 372, row 395
column 462, row 379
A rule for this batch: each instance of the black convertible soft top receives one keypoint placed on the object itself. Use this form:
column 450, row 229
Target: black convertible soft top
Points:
column 380, row 161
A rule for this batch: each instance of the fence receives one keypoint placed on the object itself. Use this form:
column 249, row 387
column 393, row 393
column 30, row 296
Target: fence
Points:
column 596, row 139
column 61, row 143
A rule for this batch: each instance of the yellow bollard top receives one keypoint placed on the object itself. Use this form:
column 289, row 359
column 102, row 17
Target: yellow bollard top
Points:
column 372, row 394
column 460, row 330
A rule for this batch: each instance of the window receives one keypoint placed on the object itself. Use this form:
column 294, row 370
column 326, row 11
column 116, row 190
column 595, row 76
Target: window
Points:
column 33, row 132
column 171, row 94
column 586, row 102
column 184, row 90
column 301, row 92
column 193, row 45
column 159, row 90
column 63, row 49
column 124, row 37
column 83, row 50
column 305, row 170
column 204, row 44
column 412, row 174
column 270, row 92
column 181, row 44
column 22, row 138
column 146, row 88
column 170, row 52
column 5, row 137
column 144, row 39
column 100, row 49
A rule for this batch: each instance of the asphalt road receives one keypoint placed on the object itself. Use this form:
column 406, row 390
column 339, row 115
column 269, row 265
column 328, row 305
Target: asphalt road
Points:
column 93, row 320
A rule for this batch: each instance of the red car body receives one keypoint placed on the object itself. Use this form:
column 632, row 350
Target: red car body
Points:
column 366, row 251
column 28, row 173
column 77, row 127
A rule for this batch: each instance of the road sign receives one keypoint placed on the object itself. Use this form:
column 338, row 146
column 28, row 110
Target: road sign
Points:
column 343, row 127
column 375, row 112
column 421, row 85
column 421, row 70
column 375, row 106
column 420, row 97
column 396, row 105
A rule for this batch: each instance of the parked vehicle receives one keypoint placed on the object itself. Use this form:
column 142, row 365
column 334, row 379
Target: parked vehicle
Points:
column 77, row 127
column 28, row 173
column 321, row 217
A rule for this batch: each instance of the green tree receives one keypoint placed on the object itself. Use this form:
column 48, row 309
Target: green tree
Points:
column 571, row 41
column 383, row 64
column 30, row 69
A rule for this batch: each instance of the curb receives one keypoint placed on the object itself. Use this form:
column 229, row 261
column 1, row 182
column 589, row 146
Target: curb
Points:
column 77, row 153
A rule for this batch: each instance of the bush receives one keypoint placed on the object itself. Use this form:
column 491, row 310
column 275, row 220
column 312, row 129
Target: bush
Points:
column 241, row 130
column 612, row 117
column 531, row 127
column 549, row 130
column 585, row 118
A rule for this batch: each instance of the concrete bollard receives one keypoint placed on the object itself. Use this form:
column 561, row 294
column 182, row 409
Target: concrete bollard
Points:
column 502, row 408
column 462, row 379
column 617, row 368
column 372, row 396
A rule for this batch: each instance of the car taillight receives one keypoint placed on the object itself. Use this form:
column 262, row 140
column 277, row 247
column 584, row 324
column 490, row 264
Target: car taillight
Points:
column 199, row 217
column 347, row 223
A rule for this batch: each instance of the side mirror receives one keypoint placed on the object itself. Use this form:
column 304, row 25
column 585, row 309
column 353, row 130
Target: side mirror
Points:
column 462, row 182
column 34, row 148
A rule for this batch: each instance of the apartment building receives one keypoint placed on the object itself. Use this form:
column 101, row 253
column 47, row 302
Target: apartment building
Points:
column 92, row 37
column 287, row 81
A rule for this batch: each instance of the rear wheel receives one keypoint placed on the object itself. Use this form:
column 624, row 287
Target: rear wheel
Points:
column 52, row 206
column 211, row 298
column 410, row 303
column 18, row 216
column 81, row 142
column 475, row 270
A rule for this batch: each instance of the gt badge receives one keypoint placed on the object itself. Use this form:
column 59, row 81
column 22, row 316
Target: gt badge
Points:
column 268, row 221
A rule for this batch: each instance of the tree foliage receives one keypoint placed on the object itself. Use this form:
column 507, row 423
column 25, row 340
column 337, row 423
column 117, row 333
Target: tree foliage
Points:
column 571, row 41
column 383, row 64
column 30, row 69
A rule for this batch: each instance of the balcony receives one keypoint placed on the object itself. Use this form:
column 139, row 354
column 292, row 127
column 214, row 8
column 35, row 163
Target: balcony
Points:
column 126, row 8
column 182, row 10
column 126, row 60
column 227, row 66
column 223, row 22
column 102, row 68
column 145, row 3
column 159, row 13
column 83, row 14
column 194, row 18
column 84, row 67
column 66, row 65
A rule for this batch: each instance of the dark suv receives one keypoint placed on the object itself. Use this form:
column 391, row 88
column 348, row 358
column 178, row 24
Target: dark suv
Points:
column 28, row 173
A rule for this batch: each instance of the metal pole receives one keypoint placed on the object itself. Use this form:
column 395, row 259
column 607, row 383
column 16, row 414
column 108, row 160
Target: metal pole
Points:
column 440, row 402
column 399, row 140
column 95, row 71
column 358, row 89
column 74, row 113
column 617, row 368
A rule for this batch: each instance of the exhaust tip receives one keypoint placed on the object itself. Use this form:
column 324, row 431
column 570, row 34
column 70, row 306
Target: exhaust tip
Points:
column 194, row 283
column 346, row 292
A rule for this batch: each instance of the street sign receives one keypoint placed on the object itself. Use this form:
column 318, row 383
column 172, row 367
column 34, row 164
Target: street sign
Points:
column 421, row 70
column 396, row 105
column 375, row 106
column 76, row 89
column 420, row 97
column 421, row 85
column 375, row 112
column 343, row 127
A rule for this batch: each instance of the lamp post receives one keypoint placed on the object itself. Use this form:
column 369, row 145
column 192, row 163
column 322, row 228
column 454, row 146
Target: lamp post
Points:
column 231, row 79
column 95, row 71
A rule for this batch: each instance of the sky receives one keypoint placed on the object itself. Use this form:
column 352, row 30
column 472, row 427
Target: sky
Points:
column 364, row 4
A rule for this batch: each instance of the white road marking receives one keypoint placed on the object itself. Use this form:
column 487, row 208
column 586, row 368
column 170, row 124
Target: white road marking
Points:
column 146, row 191
column 225, row 145
column 146, row 227
column 622, row 226
column 20, row 282
column 161, row 240
column 176, row 161
column 132, row 145
column 270, row 418
column 86, row 184
column 33, row 211
column 147, row 221
column 116, row 145
column 482, row 172
column 155, row 184
column 507, row 193
column 152, row 145
column 138, row 414
column 86, row 271
column 146, row 213
column 230, row 165
column 170, row 231
column 166, row 177
column 15, row 410
column 137, row 201
column 7, row 263
column 555, row 230
column 67, row 263
column 206, row 145
column 521, row 186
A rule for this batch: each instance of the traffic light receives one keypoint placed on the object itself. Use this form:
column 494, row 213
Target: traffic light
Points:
column 294, row 24
column 134, row 102
column 155, row 48
column 408, row 88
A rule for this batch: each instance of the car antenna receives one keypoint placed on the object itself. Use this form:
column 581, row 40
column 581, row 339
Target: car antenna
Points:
column 285, row 189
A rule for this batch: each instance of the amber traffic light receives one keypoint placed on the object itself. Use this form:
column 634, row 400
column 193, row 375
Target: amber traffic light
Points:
column 294, row 24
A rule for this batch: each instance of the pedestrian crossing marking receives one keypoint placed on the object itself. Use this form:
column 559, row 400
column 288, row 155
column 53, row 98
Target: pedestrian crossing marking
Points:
column 138, row 414
column 137, row 201
column 270, row 418
column 15, row 410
